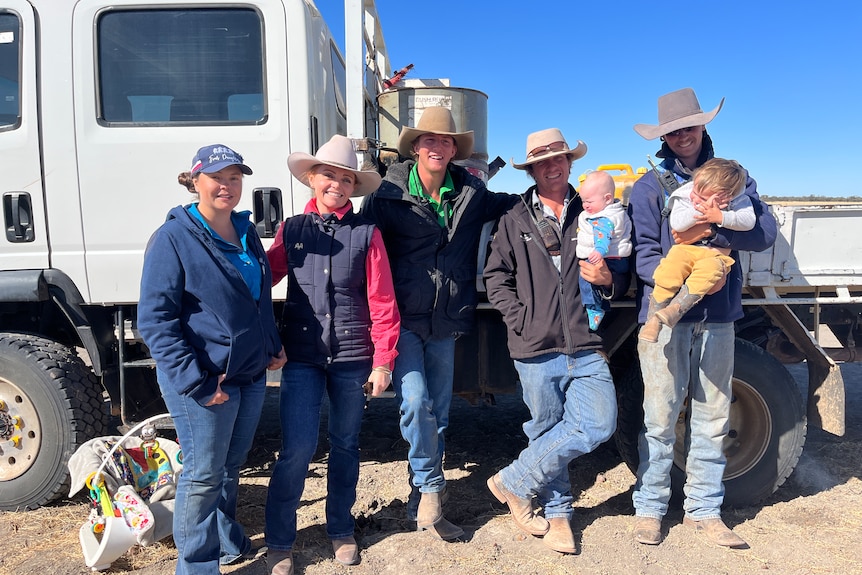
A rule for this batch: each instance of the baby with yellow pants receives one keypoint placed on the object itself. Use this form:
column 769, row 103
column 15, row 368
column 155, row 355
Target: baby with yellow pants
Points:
column 688, row 272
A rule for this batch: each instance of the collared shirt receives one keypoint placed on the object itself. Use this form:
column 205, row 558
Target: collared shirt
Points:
column 443, row 209
column 550, row 215
column 385, row 317
column 248, row 266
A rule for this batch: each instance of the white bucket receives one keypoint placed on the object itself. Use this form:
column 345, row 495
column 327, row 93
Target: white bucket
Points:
column 116, row 539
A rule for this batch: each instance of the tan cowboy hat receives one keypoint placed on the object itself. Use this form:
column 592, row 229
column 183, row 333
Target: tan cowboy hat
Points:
column 677, row 110
column 546, row 144
column 338, row 152
column 436, row 120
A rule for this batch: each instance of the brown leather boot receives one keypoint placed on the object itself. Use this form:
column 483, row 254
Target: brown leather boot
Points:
column 650, row 330
column 648, row 530
column 522, row 509
column 279, row 562
column 429, row 516
column 560, row 537
column 681, row 303
column 346, row 550
column 716, row 531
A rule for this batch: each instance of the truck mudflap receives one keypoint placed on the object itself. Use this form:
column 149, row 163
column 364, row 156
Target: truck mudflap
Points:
column 825, row 383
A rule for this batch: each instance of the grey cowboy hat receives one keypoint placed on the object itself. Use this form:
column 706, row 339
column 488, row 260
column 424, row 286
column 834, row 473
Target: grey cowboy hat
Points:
column 677, row 110
column 436, row 120
column 546, row 144
column 338, row 152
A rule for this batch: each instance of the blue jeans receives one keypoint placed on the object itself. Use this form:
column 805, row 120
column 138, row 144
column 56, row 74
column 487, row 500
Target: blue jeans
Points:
column 302, row 388
column 573, row 405
column 590, row 295
column 694, row 361
column 215, row 441
column 423, row 379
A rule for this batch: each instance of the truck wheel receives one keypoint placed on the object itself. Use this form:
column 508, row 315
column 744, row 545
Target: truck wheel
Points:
column 50, row 403
column 767, row 427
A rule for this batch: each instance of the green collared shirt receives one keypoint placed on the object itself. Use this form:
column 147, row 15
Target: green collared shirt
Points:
column 443, row 209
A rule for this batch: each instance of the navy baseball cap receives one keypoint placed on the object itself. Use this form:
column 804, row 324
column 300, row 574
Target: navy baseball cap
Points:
column 215, row 157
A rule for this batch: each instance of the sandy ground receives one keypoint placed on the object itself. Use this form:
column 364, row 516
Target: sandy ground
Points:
column 812, row 525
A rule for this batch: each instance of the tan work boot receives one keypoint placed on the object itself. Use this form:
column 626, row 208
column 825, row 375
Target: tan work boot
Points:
column 650, row 330
column 559, row 536
column 681, row 303
column 429, row 516
column 279, row 562
column 648, row 530
column 522, row 509
column 346, row 550
column 716, row 531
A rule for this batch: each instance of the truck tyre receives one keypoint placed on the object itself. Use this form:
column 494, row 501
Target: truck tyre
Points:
column 767, row 427
column 51, row 404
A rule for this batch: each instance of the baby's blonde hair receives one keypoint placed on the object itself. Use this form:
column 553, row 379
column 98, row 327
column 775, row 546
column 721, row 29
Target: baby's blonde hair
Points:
column 720, row 176
column 600, row 181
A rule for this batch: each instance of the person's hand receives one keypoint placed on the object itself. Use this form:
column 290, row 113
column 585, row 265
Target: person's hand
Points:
column 219, row 396
column 597, row 274
column 594, row 257
column 278, row 361
column 379, row 381
column 693, row 234
column 710, row 211
column 718, row 285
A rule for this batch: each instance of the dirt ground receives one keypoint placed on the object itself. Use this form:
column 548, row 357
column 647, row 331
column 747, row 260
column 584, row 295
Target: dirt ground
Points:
column 812, row 525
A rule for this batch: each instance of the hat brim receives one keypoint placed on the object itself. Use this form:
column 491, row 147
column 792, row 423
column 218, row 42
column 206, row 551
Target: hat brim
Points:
column 463, row 141
column 575, row 153
column 219, row 166
column 651, row 132
column 300, row 164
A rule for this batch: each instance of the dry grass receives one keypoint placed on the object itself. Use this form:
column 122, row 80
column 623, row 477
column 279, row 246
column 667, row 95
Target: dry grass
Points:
column 811, row 526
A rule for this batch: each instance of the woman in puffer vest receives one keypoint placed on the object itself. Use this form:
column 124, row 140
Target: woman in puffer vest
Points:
column 339, row 327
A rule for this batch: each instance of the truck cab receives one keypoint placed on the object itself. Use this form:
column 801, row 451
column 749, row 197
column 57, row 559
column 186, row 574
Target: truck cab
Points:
column 102, row 105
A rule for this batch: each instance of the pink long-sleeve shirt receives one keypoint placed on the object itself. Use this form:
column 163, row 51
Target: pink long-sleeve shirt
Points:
column 385, row 318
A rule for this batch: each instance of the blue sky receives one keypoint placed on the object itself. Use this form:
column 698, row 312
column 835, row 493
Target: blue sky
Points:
column 791, row 74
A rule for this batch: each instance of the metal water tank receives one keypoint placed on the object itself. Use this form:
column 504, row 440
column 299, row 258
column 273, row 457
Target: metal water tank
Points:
column 403, row 106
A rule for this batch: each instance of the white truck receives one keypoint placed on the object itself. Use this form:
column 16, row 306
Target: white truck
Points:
column 102, row 104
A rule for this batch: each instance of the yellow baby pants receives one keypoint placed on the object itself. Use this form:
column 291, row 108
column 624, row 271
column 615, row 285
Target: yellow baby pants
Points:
column 698, row 267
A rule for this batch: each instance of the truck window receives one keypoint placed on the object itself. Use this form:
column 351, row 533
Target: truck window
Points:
column 10, row 70
column 180, row 66
column 339, row 76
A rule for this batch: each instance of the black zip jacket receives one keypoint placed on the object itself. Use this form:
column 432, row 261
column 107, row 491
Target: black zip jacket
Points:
column 541, row 307
column 434, row 268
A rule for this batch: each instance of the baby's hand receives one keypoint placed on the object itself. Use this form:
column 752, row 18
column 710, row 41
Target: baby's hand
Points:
column 710, row 212
column 595, row 257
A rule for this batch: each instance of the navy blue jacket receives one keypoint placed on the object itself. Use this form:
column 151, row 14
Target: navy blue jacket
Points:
column 434, row 268
column 196, row 313
column 652, row 239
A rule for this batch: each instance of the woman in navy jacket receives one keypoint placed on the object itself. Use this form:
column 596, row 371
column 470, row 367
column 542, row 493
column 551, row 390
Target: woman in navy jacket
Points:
column 205, row 312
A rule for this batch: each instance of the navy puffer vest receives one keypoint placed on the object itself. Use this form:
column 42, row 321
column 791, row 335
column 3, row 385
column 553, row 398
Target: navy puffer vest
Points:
column 326, row 317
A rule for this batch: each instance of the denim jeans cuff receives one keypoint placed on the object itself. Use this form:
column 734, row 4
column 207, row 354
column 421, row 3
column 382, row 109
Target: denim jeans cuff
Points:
column 703, row 516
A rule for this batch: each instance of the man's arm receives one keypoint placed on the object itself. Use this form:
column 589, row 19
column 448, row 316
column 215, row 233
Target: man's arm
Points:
column 499, row 276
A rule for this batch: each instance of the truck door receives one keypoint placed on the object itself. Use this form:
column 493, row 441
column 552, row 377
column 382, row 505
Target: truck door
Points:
column 152, row 83
column 24, row 244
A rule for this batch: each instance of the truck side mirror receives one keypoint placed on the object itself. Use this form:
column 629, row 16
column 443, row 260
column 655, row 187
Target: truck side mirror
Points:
column 268, row 211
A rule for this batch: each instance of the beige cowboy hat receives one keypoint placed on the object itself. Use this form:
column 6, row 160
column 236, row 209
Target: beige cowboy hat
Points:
column 338, row 152
column 677, row 110
column 546, row 144
column 436, row 120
